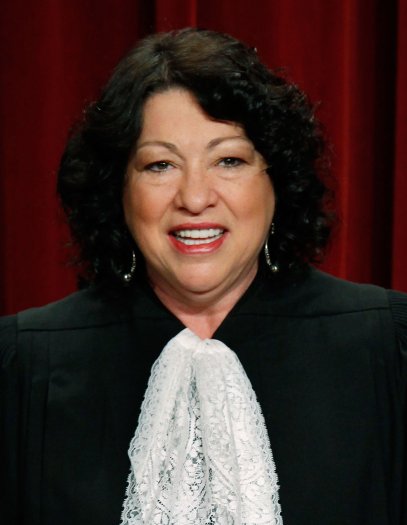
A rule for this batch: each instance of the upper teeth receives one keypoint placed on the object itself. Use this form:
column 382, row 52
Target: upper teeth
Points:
column 199, row 234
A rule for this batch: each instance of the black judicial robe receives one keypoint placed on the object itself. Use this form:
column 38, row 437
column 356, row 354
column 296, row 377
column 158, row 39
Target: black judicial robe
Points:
column 326, row 358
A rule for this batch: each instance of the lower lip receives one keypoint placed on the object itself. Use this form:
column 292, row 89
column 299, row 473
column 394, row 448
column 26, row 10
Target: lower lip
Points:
column 197, row 249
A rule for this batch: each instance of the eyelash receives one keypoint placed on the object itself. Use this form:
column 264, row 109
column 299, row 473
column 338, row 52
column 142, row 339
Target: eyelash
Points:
column 162, row 165
column 159, row 166
column 236, row 162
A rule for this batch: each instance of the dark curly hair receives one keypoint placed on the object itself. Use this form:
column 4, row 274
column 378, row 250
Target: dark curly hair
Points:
column 230, row 84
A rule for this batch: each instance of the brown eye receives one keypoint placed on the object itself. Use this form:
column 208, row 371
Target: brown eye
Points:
column 231, row 162
column 159, row 166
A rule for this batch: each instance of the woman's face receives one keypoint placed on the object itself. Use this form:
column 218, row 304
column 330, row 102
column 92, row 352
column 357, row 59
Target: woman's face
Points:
column 197, row 200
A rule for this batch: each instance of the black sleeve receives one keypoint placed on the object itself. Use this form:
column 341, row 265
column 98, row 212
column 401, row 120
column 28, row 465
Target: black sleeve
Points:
column 9, row 421
column 398, row 303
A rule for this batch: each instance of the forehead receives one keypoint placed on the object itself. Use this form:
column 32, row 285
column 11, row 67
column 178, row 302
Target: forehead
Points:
column 176, row 113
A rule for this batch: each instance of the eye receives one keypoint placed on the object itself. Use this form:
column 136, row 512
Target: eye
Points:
column 231, row 162
column 158, row 166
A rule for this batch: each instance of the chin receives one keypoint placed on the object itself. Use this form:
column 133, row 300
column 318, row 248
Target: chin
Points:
column 198, row 286
column 197, row 279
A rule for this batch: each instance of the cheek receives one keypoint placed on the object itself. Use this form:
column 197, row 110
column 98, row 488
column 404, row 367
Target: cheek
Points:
column 269, row 205
column 129, row 206
column 135, row 209
column 138, row 219
column 143, row 208
column 258, row 206
column 268, row 197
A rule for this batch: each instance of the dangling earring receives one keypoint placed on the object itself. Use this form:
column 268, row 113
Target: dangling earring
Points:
column 273, row 267
column 127, row 277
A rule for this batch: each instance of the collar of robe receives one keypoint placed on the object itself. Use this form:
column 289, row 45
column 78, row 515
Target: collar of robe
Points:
column 200, row 454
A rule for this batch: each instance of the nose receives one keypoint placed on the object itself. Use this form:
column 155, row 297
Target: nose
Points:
column 196, row 191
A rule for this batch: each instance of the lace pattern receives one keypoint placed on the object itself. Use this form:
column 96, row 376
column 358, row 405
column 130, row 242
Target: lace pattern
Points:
column 200, row 454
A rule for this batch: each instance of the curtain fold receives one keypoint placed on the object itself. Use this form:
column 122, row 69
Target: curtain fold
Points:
column 399, row 226
column 175, row 14
column 348, row 55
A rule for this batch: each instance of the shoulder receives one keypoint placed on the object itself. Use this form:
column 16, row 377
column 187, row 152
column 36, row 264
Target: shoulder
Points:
column 8, row 330
column 27, row 337
column 398, row 306
column 321, row 294
column 76, row 311
column 82, row 309
column 363, row 312
column 329, row 294
column 85, row 311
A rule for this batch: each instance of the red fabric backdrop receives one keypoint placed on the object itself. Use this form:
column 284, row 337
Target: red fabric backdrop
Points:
column 348, row 55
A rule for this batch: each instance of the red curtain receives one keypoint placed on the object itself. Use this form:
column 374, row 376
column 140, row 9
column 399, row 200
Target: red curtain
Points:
column 348, row 55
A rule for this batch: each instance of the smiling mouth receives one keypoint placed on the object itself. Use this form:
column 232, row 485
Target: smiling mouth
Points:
column 198, row 236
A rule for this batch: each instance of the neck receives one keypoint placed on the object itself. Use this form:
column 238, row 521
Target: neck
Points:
column 200, row 313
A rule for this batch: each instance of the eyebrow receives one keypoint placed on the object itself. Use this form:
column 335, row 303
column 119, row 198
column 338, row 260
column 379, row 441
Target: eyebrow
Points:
column 172, row 147
column 215, row 142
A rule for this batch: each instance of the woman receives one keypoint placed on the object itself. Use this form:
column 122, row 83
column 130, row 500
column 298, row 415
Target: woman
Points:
column 191, row 189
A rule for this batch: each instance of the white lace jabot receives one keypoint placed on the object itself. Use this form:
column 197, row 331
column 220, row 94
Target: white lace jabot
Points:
column 200, row 454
